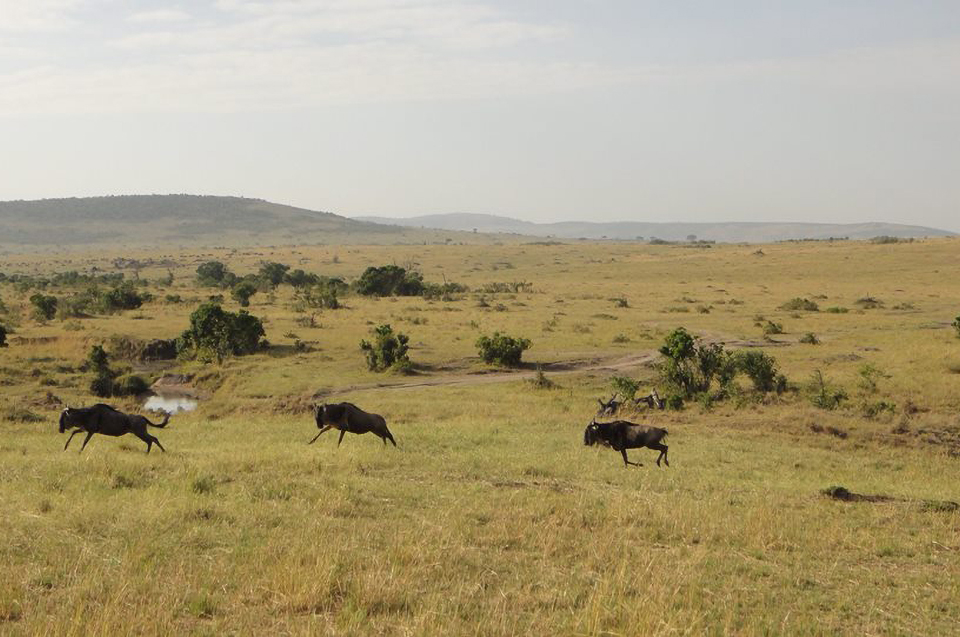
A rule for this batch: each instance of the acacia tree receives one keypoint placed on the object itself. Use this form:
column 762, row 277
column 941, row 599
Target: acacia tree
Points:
column 216, row 333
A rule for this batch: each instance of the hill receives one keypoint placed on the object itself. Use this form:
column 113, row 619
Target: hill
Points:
column 191, row 220
column 749, row 232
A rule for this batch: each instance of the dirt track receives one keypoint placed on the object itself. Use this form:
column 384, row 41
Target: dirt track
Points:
column 436, row 378
column 558, row 368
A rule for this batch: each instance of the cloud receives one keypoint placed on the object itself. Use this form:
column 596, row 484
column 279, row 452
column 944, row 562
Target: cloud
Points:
column 266, row 55
column 158, row 16
column 37, row 16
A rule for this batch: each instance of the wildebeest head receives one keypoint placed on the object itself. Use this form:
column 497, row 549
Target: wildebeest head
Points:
column 591, row 435
column 66, row 419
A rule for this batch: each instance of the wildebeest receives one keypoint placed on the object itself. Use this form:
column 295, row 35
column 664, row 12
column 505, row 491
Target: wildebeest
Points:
column 348, row 417
column 622, row 435
column 610, row 407
column 104, row 419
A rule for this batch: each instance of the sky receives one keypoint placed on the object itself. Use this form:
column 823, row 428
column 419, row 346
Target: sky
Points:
column 604, row 110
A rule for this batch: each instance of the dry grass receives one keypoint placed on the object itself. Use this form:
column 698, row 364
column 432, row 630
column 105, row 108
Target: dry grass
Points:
column 492, row 518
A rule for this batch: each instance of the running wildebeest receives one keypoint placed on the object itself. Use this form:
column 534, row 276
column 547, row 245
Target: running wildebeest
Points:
column 105, row 420
column 348, row 417
column 622, row 435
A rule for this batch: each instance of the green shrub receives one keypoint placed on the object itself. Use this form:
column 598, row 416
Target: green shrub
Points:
column 810, row 339
column 323, row 293
column 389, row 280
column 130, row 385
column 868, row 303
column 870, row 375
column 213, row 274
column 626, row 387
column 822, row 394
column 272, row 273
column 387, row 351
column 242, row 292
column 837, row 310
column 797, row 304
column 956, row 325
column 44, row 306
column 770, row 328
column 216, row 333
column 761, row 368
column 501, row 349
column 874, row 409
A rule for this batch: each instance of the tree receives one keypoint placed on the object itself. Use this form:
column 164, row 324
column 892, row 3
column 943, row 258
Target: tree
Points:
column 242, row 292
column 122, row 297
column 501, row 349
column 324, row 293
column 98, row 362
column 389, row 280
column 761, row 368
column 44, row 307
column 387, row 351
column 273, row 273
column 211, row 273
column 300, row 279
column 216, row 333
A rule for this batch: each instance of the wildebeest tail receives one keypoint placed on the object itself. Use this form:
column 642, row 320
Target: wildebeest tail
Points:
column 166, row 419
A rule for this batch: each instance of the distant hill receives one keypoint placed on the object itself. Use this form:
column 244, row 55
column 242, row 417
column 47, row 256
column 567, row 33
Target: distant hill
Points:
column 190, row 220
column 749, row 232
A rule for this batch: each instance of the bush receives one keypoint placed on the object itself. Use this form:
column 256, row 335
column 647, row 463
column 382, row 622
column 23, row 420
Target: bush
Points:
column 690, row 368
column 389, row 280
column 272, row 273
column 323, row 293
column 122, row 297
column 501, row 349
column 626, row 387
column 387, row 351
column 837, row 310
column 130, row 385
column 44, row 307
column 810, row 339
column 761, row 368
column 540, row 381
column 216, row 333
column 797, row 304
column 869, row 303
column 242, row 292
column 98, row 362
column 3, row 336
column 212, row 274
column 770, row 328
column 822, row 394
column 956, row 325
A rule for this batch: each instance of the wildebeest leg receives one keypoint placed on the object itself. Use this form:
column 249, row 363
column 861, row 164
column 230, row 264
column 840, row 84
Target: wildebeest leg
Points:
column 158, row 444
column 342, row 431
column 75, row 432
column 626, row 462
column 391, row 439
column 662, row 448
column 318, row 435
column 86, row 440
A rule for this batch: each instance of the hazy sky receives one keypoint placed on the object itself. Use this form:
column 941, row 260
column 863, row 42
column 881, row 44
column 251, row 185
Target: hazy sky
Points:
column 811, row 110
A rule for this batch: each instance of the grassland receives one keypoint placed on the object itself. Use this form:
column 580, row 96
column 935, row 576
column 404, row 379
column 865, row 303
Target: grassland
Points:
column 492, row 518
